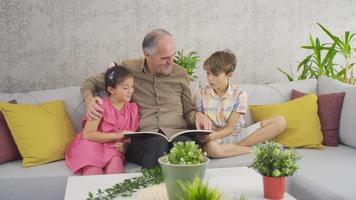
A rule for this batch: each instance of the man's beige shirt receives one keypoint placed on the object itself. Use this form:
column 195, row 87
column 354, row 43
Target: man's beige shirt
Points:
column 164, row 101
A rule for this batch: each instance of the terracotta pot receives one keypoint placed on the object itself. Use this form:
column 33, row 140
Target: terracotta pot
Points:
column 274, row 187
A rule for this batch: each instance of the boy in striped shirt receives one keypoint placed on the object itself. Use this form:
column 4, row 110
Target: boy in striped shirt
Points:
column 225, row 104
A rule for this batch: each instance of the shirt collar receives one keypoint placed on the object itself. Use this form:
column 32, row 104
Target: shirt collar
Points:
column 144, row 66
column 229, row 91
column 144, row 69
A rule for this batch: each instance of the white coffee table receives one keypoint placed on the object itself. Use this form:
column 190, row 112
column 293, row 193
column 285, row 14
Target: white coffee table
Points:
column 232, row 181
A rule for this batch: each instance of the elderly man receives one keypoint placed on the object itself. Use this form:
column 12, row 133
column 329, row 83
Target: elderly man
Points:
column 162, row 94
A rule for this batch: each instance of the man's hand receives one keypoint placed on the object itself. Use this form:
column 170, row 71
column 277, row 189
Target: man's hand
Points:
column 94, row 108
column 202, row 121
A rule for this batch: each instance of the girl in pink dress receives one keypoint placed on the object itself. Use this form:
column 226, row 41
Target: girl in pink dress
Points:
column 99, row 148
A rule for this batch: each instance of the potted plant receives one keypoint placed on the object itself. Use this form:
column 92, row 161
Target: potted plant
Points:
column 321, row 60
column 189, row 61
column 198, row 190
column 274, row 163
column 184, row 162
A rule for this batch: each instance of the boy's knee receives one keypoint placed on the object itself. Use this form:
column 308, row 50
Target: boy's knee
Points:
column 212, row 149
column 281, row 122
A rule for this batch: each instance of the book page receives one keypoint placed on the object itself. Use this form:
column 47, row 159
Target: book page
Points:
column 134, row 134
column 190, row 133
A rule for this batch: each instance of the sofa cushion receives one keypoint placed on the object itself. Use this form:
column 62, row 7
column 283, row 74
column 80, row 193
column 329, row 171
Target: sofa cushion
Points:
column 329, row 110
column 301, row 115
column 71, row 96
column 348, row 114
column 261, row 94
column 8, row 149
column 324, row 174
column 41, row 133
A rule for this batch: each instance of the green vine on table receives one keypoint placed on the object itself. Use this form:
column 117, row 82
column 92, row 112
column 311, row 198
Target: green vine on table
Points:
column 129, row 186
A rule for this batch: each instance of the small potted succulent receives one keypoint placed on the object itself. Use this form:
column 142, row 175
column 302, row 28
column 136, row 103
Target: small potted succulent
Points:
column 184, row 162
column 274, row 163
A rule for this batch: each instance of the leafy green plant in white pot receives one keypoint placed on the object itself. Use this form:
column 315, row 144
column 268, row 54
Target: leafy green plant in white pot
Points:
column 184, row 162
column 274, row 163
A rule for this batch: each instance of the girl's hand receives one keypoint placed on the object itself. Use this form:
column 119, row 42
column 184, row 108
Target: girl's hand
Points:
column 121, row 137
column 121, row 146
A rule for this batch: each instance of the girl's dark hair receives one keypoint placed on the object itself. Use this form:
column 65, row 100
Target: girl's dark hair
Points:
column 115, row 75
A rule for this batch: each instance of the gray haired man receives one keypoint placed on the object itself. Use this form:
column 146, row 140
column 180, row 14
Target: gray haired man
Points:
column 162, row 94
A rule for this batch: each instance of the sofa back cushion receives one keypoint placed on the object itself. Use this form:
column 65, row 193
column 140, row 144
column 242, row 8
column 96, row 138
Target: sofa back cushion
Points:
column 348, row 112
column 329, row 111
column 41, row 132
column 301, row 115
column 71, row 96
column 8, row 149
column 261, row 94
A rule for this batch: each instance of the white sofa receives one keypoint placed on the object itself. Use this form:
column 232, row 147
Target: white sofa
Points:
column 323, row 174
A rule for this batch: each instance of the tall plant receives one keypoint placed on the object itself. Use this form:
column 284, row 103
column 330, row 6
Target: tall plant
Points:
column 343, row 46
column 321, row 60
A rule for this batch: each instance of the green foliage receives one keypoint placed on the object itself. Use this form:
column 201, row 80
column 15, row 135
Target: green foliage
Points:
column 188, row 61
column 243, row 197
column 149, row 177
column 321, row 60
column 185, row 153
column 197, row 190
column 271, row 159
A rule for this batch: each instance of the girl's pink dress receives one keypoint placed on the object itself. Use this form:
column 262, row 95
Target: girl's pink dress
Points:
column 82, row 152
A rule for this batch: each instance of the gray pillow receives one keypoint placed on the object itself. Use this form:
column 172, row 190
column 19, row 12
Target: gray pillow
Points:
column 348, row 112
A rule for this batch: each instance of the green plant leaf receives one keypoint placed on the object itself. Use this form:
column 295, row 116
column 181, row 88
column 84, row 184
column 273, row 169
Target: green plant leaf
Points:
column 188, row 61
column 333, row 37
column 129, row 186
column 197, row 190
column 289, row 76
column 186, row 153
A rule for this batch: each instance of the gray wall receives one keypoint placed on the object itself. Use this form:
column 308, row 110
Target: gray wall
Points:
column 56, row 43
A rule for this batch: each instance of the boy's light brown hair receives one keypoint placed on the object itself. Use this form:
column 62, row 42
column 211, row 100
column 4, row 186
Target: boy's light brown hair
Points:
column 220, row 61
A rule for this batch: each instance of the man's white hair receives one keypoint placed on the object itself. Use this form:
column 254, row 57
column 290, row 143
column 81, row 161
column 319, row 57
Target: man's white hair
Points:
column 150, row 40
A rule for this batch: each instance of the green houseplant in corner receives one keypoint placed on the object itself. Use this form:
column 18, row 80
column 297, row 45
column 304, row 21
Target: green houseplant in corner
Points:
column 189, row 61
column 323, row 58
column 274, row 163
column 184, row 162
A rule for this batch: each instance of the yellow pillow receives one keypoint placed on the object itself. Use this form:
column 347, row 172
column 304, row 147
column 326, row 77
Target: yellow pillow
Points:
column 301, row 115
column 41, row 132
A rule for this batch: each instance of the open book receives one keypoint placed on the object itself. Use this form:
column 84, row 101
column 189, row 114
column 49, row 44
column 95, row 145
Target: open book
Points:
column 189, row 133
